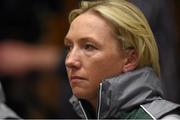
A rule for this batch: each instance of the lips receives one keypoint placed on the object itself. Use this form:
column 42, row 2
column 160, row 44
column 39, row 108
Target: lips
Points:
column 75, row 78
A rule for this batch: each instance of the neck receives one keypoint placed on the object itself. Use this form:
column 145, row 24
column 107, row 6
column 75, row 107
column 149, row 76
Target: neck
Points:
column 93, row 102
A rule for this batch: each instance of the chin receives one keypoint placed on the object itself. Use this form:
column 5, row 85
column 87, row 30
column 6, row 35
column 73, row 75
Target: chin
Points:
column 80, row 93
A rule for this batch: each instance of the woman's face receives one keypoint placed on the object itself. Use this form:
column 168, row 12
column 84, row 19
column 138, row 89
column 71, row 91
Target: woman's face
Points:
column 93, row 54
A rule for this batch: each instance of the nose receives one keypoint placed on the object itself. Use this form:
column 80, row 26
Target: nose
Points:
column 72, row 60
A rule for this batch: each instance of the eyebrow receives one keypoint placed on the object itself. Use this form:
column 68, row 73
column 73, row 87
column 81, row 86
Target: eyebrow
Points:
column 66, row 39
column 82, row 40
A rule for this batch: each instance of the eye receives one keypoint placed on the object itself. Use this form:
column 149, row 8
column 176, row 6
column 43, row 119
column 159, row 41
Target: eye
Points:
column 68, row 48
column 89, row 47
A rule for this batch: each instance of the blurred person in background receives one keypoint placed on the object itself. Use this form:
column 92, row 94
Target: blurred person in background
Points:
column 31, row 50
column 19, row 59
column 113, row 63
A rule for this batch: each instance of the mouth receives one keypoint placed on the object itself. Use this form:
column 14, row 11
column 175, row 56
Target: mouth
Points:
column 76, row 78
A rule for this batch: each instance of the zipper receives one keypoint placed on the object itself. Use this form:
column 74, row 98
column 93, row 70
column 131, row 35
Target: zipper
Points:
column 99, row 101
column 148, row 112
column 83, row 111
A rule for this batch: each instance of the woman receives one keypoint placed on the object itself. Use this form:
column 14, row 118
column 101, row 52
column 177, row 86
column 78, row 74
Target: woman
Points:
column 112, row 63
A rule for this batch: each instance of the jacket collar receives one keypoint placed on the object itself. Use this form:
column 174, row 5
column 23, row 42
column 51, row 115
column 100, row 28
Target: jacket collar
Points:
column 124, row 92
column 2, row 98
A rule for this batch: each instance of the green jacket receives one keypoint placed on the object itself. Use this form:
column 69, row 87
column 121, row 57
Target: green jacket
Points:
column 132, row 95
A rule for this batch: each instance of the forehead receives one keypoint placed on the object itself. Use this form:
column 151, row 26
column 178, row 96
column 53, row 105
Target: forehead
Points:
column 90, row 22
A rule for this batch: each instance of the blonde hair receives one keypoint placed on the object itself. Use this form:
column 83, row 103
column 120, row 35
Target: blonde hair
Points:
column 131, row 26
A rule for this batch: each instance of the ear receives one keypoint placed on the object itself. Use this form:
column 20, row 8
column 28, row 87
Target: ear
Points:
column 131, row 61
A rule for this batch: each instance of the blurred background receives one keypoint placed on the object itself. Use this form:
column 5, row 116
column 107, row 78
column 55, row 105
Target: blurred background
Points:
column 32, row 70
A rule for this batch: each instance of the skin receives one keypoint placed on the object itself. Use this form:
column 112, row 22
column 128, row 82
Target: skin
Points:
column 93, row 55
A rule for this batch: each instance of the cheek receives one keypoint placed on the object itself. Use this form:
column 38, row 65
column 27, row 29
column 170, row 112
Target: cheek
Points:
column 96, row 73
column 99, row 72
column 68, row 71
column 107, row 68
